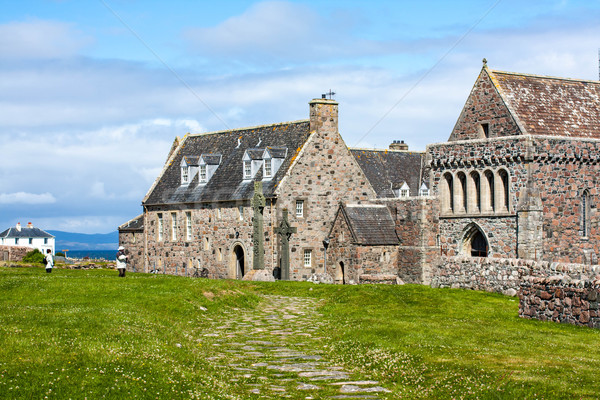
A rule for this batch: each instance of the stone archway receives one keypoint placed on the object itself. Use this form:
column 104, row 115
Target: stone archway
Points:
column 237, row 264
column 475, row 243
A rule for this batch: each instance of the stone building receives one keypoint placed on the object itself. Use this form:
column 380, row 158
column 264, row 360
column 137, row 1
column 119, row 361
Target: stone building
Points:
column 517, row 179
column 518, row 176
column 131, row 236
column 199, row 213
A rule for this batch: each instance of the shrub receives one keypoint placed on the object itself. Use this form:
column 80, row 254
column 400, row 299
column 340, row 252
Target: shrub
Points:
column 60, row 254
column 34, row 256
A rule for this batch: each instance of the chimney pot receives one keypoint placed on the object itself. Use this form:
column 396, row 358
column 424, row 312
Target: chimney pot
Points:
column 398, row 145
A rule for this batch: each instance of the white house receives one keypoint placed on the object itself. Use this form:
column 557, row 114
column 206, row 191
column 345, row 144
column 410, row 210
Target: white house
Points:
column 27, row 237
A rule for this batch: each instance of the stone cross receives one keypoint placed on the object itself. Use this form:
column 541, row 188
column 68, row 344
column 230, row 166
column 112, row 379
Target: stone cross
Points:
column 285, row 232
column 258, row 235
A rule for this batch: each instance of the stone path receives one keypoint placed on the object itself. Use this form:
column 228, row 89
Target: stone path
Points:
column 274, row 352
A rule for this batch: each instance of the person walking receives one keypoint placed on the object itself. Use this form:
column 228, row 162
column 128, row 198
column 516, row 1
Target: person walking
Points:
column 49, row 261
column 121, row 261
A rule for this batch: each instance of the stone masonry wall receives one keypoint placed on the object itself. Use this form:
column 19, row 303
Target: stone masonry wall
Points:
column 561, row 299
column 13, row 253
column 217, row 230
column 417, row 227
column 484, row 105
column 500, row 274
column 133, row 241
column 561, row 169
column 323, row 174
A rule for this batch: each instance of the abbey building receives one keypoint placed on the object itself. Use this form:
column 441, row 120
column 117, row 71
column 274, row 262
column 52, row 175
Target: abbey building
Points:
column 516, row 179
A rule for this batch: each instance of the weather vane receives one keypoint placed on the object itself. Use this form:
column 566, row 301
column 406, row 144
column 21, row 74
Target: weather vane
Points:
column 330, row 94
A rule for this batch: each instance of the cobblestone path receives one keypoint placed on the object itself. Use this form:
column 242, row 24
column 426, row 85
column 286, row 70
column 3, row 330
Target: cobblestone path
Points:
column 275, row 352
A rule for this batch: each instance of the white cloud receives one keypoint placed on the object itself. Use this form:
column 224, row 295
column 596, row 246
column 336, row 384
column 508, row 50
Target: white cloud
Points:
column 26, row 198
column 38, row 39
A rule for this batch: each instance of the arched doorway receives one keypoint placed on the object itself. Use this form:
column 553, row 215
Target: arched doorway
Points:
column 238, row 260
column 475, row 243
column 340, row 274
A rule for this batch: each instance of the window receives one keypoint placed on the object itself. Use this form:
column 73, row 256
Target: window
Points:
column 299, row 208
column 247, row 169
column 45, row 240
column 485, row 129
column 188, row 225
column 160, row 227
column 585, row 213
column 241, row 212
column 219, row 254
column 185, row 174
column 267, row 168
column 219, row 215
column 173, row 226
column 404, row 190
column 206, row 243
column 16, row 240
column 30, row 240
column 203, row 173
column 308, row 258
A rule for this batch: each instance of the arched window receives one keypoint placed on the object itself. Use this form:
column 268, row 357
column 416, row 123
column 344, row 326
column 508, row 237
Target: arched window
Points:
column 585, row 213
column 488, row 192
column 473, row 193
column 460, row 199
column 475, row 243
column 447, row 193
column 502, row 191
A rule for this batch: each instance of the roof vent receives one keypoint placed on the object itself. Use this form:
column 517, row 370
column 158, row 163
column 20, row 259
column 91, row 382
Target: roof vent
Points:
column 398, row 145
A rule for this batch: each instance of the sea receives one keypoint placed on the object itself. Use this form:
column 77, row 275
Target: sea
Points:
column 108, row 255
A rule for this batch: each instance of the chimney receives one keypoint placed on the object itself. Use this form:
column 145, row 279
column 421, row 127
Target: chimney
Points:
column 19, row 226
column 29, row 225
column 398, row 145
column 323, row 116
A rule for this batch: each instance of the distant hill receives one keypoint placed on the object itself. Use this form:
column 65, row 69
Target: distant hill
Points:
column 84, row 241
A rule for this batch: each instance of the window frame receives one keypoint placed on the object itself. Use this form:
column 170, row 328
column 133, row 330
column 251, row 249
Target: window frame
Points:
column 173, row 226
column 160, row 228
column 188, row 225
column 307, row 258
column 302, row 208
column 247, row 167
column 185, row 175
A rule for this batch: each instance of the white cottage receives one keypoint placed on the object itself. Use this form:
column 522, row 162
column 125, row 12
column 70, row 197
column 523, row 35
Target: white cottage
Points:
column 28, row 237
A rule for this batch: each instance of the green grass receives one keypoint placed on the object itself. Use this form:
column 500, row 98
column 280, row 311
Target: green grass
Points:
column 76, row 334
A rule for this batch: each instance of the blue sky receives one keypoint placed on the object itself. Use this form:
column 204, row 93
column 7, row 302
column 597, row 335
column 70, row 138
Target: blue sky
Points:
column 92, row 93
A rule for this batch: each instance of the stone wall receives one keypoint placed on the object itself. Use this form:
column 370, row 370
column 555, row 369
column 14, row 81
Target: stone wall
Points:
column 484, row 105
column 562, row 171
column 133, row 241
column 13, row 253
column 417, row 227
column 500, row 274
column 218, row 229
column 561, row 299
column 323, row 174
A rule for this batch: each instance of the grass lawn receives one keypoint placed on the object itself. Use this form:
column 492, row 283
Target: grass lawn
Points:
column 77, row 334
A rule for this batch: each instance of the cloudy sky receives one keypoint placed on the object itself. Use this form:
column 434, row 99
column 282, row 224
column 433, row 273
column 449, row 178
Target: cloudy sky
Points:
column 92, row 93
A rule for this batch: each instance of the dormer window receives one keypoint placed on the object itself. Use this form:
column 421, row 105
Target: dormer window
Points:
column 424, row 190
column 404, row 190
column 247, row 169
column 273, row 158
column 207, row 166
column 185, row 174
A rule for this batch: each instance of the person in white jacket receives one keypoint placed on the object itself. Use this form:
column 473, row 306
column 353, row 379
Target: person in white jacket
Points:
column 121, row 261
column 49, row 261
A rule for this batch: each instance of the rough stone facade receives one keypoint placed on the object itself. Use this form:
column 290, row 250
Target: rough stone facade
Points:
column 131, row 236
column 562, row 171
column 561, row 299
column 13, row 253
column 500, row 275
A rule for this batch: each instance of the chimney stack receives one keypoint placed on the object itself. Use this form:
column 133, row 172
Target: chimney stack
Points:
column 29, row 225
column 398, row 145
column 19, row 226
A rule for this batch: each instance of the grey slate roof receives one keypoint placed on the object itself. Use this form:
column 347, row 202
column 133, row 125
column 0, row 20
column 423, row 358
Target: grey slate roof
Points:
column 212, row 159
column 136, row 224
column 386, row 170
column 277, row 152
column 371, row 224
column 227, row 182
column 25, row 233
